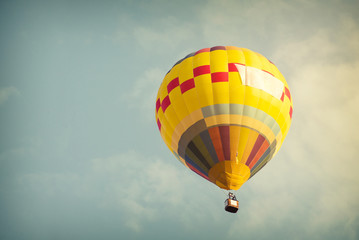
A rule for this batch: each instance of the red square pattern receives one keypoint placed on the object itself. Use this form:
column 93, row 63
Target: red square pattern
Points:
column 165, row 103
column 219, row 77
column 172, row 85
column 187, row 85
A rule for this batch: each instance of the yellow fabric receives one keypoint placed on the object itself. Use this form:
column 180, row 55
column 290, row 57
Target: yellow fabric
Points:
column 229, row 175
column 204, row 90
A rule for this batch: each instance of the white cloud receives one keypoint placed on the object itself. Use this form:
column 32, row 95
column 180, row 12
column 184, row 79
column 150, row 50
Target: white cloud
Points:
column 138, row 188
column 143, row 188
column 243, row 24
column 312, row 183
column 323, row 142
column 144, row 91
column 6, row 93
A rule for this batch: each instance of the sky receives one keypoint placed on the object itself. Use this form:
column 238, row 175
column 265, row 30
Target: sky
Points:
column 80, row 153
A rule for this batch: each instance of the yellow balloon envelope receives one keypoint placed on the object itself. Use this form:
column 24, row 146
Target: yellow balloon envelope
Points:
column 224, row 113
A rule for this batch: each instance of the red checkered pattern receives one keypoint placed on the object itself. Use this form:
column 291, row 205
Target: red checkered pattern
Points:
column 159, row 124
column 158, row 105
column 216, row 77
column 205, row 69
column 172, row 85
column 165, row 103
column 286, row 92
column 232, row 67
column 219, row 77
column 187, row 85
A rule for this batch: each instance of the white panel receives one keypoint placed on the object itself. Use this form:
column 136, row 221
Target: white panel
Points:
column 257, row 78
column 233, row 202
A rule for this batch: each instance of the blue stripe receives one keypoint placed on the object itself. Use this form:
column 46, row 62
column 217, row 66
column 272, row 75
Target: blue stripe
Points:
column 195, row 165
column 206, row 139
column 267, row 156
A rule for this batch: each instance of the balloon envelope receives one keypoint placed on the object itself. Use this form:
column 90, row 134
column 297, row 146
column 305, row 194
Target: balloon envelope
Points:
column 224, row 113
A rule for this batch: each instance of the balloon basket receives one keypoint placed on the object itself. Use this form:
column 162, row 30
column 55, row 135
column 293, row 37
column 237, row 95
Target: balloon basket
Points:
column 231, row 205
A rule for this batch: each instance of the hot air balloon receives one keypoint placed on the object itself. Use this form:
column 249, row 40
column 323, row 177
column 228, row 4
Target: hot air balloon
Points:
column 224, row 112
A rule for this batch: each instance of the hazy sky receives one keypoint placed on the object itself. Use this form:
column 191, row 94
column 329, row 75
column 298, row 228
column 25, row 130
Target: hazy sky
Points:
column 80, row 153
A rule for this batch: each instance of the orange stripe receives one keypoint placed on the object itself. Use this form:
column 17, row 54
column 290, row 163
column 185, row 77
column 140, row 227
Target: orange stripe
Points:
column 260, row 152
column 216, row 140
column 256, row 147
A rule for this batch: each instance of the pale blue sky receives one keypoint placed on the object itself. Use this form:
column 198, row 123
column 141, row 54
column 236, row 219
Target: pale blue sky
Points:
column 80, row 153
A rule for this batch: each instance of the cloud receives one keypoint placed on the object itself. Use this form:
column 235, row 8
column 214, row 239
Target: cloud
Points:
column 310, row 189
column 311, row 185
column 143, row 188
column 6, row 93
column 142, row 96
column 131, row 188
